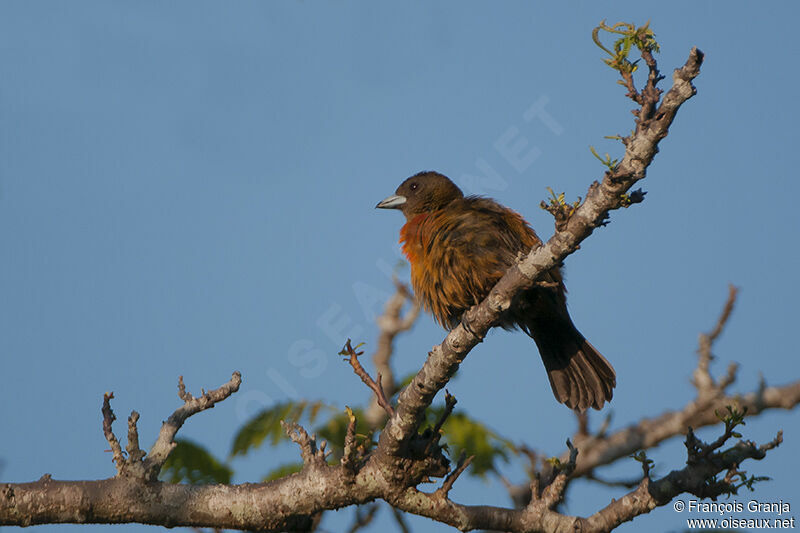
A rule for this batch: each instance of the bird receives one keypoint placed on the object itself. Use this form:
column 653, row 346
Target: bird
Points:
column 460, row 246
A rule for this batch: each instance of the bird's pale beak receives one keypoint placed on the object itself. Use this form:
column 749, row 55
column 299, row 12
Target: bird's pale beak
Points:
column 392, row 202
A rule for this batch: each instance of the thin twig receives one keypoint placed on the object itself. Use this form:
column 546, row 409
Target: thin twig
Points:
column 377, row 388
column 401, row 522
column 628, row 484
column 447, row 484
column 706, row 386
column 449, row 404
column 363, row 519
column 390, row 324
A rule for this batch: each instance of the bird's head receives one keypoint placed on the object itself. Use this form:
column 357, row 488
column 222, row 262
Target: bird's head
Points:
column 422, row 193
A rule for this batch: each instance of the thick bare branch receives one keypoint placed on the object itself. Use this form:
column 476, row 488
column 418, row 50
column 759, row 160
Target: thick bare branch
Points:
column 126, row 499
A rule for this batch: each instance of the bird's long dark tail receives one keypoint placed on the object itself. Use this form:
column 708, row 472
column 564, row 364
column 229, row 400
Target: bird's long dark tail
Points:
column 579, row 376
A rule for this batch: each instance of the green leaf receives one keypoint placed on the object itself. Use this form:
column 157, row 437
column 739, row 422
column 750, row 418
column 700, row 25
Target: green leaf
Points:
column 313, row 411
column 266, row 424
column 282, row 471
column 463, row 433
column 192, row 463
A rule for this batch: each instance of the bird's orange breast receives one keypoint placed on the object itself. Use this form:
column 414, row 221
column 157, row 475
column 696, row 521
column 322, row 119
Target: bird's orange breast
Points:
column 411, row 237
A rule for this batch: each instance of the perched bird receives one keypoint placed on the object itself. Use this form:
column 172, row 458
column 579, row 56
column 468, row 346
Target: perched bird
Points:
column 459, row 247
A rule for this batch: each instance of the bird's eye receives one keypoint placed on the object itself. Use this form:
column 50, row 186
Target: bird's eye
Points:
column 414, row 186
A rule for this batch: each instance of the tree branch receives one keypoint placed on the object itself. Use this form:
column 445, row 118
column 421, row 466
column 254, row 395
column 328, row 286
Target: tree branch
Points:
column 650, row 432
column 692, row 479
column 391, row 323
column 603, row 449
column 166, row 437
column 702, row 379
column 108, row 420
column 376, row 386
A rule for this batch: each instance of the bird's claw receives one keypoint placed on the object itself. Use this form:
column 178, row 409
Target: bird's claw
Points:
column 465, row 324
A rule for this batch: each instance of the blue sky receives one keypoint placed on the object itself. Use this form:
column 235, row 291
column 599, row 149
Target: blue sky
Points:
column 188, row 188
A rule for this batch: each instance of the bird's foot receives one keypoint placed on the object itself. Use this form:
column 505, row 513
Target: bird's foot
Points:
column 465, row 324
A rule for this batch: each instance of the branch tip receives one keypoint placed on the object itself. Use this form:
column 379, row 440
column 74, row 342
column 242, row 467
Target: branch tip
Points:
column 774, row 443
column 191, row 406
column 108, row 419
column 350, row 446
column 449, row 481
column 391, row 323
column 351, row 356
column 312, row 456
column 707, row 387
column 135, row 454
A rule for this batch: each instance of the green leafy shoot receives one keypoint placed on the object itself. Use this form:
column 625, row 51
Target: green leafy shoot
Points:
column 732, row 419
column 641, row 456
column 556, row 199
column 334, row 431
column 557, row 205
column 345, row 353
column 267, row 424
column 192, row 463
column 630, row 36
column 748, row 482
column 610, row 164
